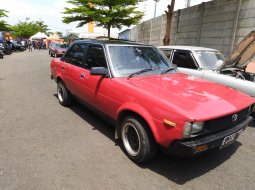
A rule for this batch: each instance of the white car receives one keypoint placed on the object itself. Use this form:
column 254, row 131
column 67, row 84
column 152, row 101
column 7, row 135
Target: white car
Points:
column 210, row 64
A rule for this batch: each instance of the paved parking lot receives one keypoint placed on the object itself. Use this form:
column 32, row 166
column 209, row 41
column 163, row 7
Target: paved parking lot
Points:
column 46, row 146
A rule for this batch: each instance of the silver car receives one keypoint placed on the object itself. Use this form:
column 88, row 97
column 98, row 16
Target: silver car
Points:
column 210, row 64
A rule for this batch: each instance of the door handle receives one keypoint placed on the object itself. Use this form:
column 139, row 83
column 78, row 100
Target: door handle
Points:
column 82, row 75
column 63, row 68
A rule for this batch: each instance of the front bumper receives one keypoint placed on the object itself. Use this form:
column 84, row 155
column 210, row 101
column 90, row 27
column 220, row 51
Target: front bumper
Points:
column 191, row 147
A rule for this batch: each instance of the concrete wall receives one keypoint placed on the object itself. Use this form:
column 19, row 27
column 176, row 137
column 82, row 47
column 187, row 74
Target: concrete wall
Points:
column 218, row 24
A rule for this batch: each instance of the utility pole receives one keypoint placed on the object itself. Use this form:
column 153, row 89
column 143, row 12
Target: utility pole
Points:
column 188, row 3
column 155, row 10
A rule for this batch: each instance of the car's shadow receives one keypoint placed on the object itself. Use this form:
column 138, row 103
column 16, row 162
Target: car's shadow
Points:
column 178, row 170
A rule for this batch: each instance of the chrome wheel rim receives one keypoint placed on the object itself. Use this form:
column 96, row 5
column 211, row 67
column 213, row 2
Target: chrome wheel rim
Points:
column 60, row 93
column 131, row 139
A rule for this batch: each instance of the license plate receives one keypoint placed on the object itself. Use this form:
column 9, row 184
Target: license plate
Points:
column 230, row 139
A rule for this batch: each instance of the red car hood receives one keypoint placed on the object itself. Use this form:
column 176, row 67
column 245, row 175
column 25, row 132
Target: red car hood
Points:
column 192, row 97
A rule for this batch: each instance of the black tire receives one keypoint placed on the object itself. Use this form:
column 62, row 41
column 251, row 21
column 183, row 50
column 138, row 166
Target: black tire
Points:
column 137, row 140
column 64, row 96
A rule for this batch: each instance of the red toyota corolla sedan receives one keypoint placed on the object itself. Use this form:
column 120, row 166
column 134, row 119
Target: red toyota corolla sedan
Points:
column 150, row 103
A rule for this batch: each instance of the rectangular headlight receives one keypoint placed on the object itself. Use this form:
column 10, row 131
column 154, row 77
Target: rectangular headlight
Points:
column 192, row 128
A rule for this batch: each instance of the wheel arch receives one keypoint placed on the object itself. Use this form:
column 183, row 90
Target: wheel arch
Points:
column 139, row 112
column 59, row 78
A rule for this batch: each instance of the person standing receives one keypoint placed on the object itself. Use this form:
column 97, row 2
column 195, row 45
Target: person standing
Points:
column 29, row 45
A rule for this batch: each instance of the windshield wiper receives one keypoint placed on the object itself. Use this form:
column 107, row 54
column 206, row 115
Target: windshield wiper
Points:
column 140, row 72
column 166, row 71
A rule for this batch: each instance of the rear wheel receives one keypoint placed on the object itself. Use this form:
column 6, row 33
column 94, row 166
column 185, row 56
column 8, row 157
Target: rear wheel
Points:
column 137, row 139
column 64, row 96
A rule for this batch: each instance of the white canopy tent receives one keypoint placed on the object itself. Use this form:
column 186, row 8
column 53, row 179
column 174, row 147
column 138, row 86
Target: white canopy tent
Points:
column 38, row 35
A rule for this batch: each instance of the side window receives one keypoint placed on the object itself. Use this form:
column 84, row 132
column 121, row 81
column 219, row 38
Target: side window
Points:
column 183, row 58
column 167, row 53
column 76, row 55
column 95, row 57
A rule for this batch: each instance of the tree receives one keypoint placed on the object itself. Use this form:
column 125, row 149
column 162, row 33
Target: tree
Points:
column 3, row 25
column 28, row 28
column 169, row 16
column 3, row 13
column 59, row 33
column 106, row 13
column 70, row 37
column 41, row 26
column 49, row 33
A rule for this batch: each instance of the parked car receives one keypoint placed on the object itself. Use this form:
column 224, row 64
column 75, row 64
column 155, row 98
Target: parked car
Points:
column 7, row 49
column 1, row 51
column 57, row 49
column 211, row 65
column 150, row 103
column 16, row 47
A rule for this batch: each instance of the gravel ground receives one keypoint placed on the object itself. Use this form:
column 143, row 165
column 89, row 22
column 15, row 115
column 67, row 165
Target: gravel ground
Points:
column 46, row 146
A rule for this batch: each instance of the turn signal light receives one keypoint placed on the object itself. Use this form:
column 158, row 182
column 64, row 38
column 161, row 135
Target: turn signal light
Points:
column 170, row 123
column 201, row 148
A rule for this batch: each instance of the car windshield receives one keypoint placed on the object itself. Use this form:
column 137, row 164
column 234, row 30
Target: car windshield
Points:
column 132, row 60
column 61, row 46
column 210, row 60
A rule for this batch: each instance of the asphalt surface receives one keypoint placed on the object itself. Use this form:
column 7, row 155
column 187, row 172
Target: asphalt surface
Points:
column 46, row 146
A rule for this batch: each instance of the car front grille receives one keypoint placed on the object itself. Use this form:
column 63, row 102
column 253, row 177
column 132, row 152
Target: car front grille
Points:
column 226, row 122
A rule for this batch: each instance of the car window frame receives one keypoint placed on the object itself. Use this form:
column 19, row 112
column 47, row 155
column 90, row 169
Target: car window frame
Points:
column 105, row 55
column 191, row 55
column 68, row 51
column 86, row 54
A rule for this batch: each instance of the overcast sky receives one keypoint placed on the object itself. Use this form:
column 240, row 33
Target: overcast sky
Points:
column 50, row 11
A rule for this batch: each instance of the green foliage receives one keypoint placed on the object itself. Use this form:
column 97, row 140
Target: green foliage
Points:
column 69, row 37
column 59, row 33
column 3, row 13
column 49, row 33
column 3, row 25
column 28, row 28
column 105, row 13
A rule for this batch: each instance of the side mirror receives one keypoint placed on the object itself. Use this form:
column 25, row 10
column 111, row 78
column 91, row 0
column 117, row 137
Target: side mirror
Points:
column 99, row 71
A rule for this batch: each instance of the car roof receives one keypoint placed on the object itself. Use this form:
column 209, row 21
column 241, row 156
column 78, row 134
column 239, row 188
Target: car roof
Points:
column 191, row 48
column 111, row 41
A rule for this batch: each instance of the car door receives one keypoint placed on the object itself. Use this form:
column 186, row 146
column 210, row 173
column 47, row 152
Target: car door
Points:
column 72, row 67
column 96, row 89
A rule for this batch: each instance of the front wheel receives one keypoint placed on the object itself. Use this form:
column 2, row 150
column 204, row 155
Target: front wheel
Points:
column 137, row 139
column 64, row 96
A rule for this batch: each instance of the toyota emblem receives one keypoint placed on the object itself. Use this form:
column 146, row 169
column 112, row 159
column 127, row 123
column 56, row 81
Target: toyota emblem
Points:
column 234, row 118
